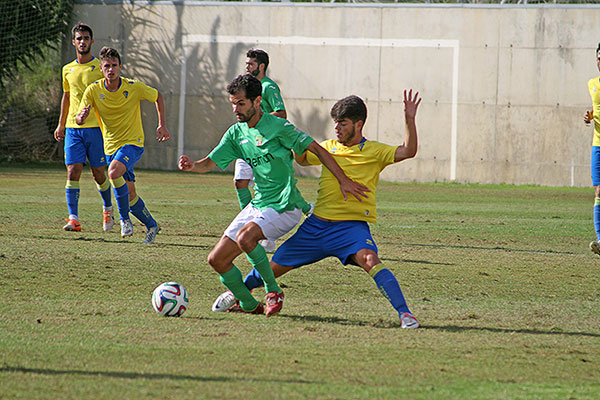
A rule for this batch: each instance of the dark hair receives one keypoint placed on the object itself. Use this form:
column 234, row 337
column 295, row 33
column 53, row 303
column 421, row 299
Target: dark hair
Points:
column 81, row 27
column 249, row 84
column 351, row 107
column 109, row 52
column 598, row 49
column 261, row 56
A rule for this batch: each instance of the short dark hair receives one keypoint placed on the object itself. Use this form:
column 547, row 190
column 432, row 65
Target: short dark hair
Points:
column 109, row 52
column 81, row 27
column 598, row 49
column 351, row 107
column 261, row 56
column 249, row 84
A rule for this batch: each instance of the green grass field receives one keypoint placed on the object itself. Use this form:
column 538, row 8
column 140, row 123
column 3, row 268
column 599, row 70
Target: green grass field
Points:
column 500, row 277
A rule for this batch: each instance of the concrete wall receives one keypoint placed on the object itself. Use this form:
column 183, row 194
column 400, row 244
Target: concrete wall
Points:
column 504, row 88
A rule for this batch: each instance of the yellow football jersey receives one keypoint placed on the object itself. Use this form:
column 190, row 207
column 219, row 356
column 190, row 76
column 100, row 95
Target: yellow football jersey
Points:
column 119, row 112
column 362, row 163
column 75, row 78
column 594, row 87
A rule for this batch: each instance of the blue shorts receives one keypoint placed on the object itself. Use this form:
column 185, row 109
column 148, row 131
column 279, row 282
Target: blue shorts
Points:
column 595, row 165
column 82, row 144
column 128, row 155
column 317, row 239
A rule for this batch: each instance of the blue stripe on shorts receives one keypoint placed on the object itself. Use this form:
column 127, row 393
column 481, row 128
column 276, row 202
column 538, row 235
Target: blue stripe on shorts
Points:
column 316, row 239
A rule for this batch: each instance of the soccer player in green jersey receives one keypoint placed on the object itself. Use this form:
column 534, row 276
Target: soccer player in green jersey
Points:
column 265, row 142
column 116, row 103
column 594, row 115
column 82, row 142
column 257, row 62
column 339, row 228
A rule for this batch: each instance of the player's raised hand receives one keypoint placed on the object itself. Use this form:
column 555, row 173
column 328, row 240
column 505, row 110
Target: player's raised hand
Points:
column 348, row 186
column 185, row 163
column 411, row 103
column 162, row 133
column 588, row 117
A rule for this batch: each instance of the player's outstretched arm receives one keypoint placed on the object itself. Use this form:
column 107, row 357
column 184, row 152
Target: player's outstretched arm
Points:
column 65, row 102
column 409, row 148
column 347, row 185
column 162, row 133
column 200, row 166
column 588, row 117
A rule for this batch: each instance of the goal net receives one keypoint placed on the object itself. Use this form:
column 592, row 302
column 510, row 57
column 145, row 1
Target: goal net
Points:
column 30, row 84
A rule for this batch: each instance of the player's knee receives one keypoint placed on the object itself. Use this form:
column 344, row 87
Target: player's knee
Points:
column 213, row 261
column 368, row 259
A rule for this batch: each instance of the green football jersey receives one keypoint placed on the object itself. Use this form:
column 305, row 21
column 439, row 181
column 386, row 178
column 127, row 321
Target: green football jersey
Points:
column 267, row 148
column 271, row 96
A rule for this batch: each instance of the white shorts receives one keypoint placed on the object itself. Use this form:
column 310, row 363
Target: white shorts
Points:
column 273, row 224
column 243, row 170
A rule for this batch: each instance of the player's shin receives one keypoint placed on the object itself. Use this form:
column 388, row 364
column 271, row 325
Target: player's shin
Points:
column 72, row 195
column 259, row 260
column 104, row 190
column 232, row 280
column 138, row 208
column 597, row 217
column 388, row 286
column 121, row 196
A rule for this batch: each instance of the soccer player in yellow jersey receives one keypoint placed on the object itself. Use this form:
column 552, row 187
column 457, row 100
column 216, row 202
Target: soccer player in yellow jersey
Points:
column 116, row 103
column 339, row 228
column 594, row 115
column 85, row 141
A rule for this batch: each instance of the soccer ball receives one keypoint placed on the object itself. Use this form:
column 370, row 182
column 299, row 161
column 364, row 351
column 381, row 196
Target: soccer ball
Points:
column 170, row 299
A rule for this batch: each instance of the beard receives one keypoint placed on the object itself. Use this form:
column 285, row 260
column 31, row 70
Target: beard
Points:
column 254, row 73
column 84, row 52
column 248, row 116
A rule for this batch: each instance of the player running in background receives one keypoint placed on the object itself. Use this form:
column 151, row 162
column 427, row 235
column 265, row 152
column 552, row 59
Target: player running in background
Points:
column 257, row 62
column 116, row 103
column 85, row 141
column 340, row 228
column 265, row 142
column 594, row 115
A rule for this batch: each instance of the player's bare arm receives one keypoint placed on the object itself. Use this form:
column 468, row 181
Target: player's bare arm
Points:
column 65, row 102
column 347, row 185
column 200, row 166
column 162, row 133
column 83, row 114
column 301, row 159
column 409, row 148
column 588, row 117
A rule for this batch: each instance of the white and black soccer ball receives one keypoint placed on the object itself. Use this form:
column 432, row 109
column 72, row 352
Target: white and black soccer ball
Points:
column 170, row 299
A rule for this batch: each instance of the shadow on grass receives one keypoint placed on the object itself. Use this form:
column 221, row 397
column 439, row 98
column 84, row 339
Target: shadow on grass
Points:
column 495, row 248
column 140, row 375
column 406, row 260
column 386, row 324
column 459, row 329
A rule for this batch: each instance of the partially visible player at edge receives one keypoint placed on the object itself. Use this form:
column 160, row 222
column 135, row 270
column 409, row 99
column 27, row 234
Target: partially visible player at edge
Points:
column 340, row 229
column 116, row 103
column 257, row 62
column 278, row 206
column 85, row 141
column 594, row 115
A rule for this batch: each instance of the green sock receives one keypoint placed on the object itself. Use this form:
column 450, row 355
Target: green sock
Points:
column 259, row 260
column 244, row 197
column 232, row 279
